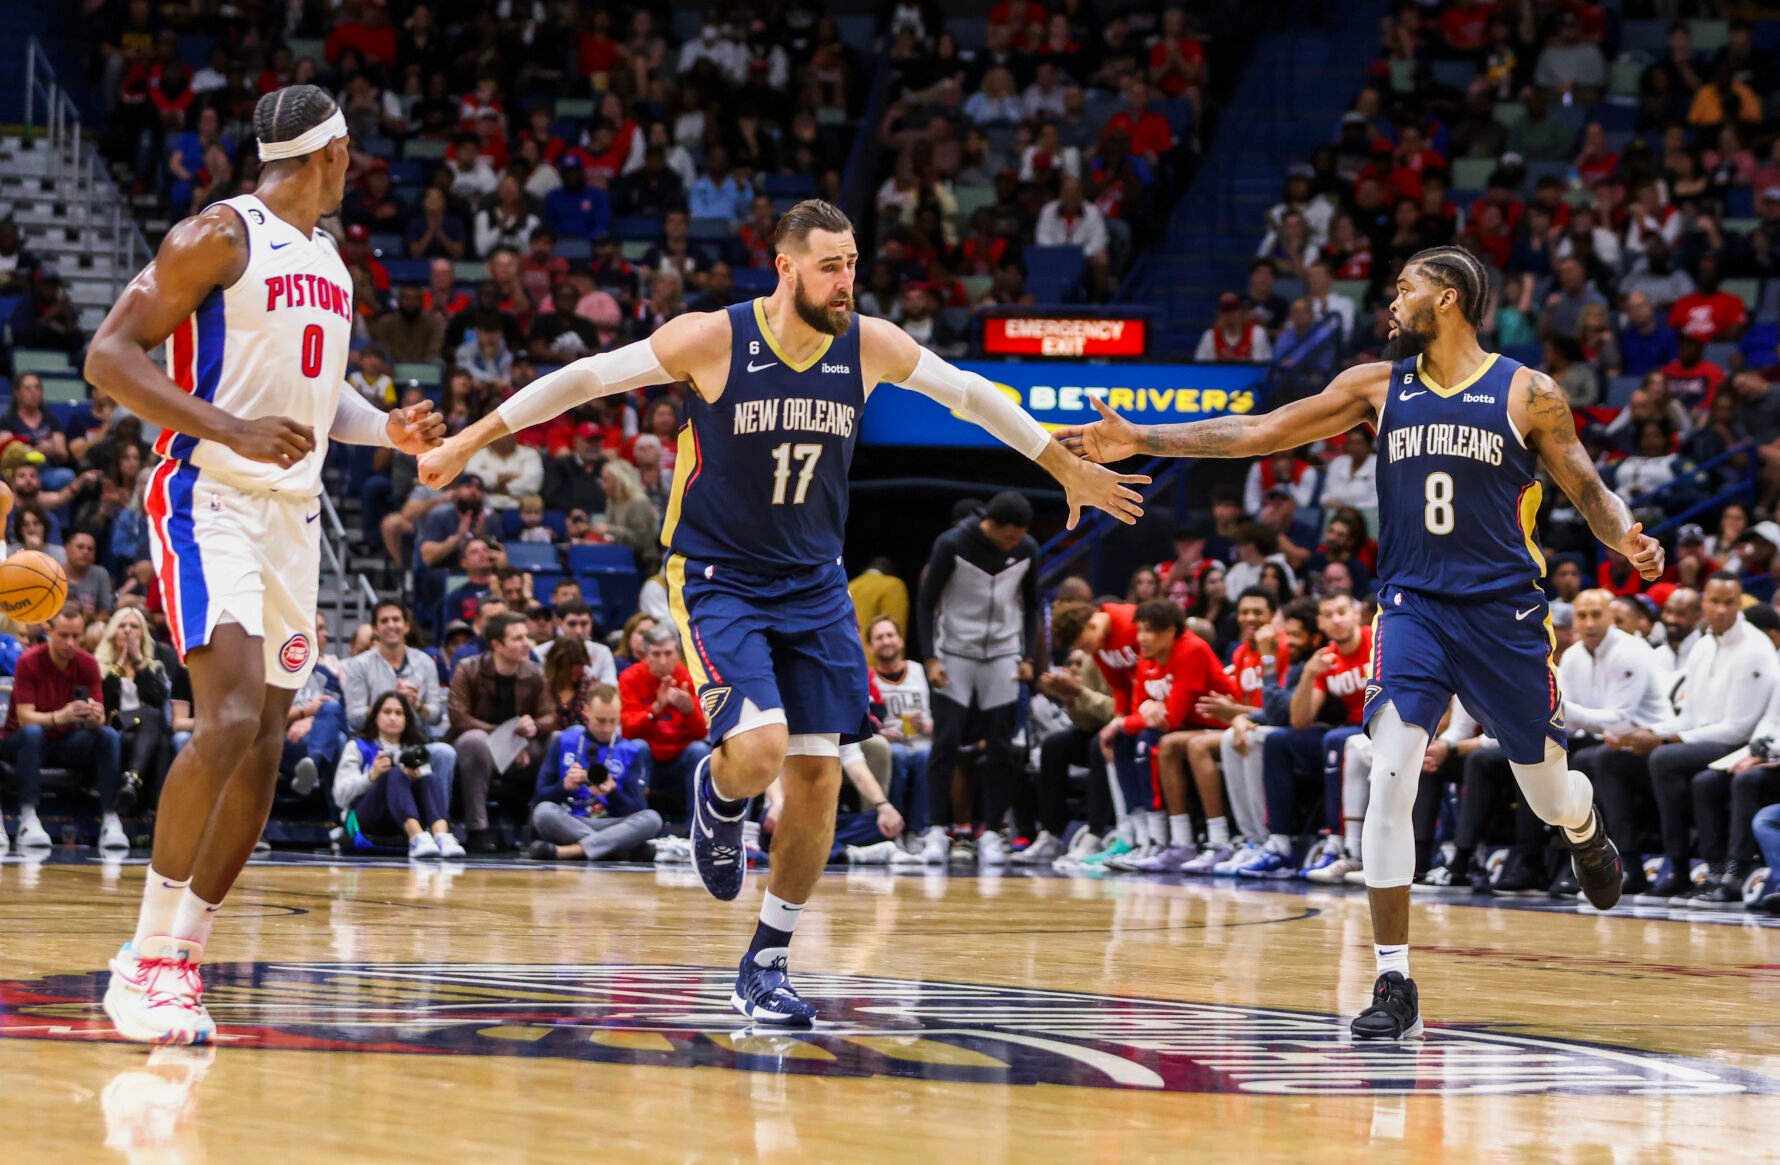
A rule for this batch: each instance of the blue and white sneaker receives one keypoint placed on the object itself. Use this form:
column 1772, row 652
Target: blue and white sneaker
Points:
column 1267, row 864
column 1324, row 856
column 716, row 841
column 764, row 994
column 1242, row 853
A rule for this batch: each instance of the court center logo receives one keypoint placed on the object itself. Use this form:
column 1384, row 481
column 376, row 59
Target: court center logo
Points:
column 679, row 1017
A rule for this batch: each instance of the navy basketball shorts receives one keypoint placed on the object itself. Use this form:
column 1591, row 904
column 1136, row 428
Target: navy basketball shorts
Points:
column 1494, row 654
column 761, row 648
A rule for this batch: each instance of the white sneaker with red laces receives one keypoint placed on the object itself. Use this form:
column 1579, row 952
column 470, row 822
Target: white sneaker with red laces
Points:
column 155, row 995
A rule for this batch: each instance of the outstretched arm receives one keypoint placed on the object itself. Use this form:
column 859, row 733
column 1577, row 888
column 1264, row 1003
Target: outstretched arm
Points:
column 1352, row 398
column 1543, row 414
column 412, row 429
column 893, row 357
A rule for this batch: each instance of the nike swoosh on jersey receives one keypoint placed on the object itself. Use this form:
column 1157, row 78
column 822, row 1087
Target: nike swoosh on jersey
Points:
column 279, row 246
column 752, row 367
column 1519, row 615
column 313, row 516
column 1411, row 395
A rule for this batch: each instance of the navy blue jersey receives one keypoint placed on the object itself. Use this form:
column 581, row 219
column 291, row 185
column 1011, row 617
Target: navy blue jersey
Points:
column 1456, row 492
column 760, row 479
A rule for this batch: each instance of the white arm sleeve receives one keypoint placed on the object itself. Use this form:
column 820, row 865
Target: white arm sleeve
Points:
column 976, row 400
column 358, row 422
column 608, row 373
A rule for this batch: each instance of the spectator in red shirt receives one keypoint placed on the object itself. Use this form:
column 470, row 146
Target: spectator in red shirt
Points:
column 55, row 718
column 661, row 709
column 600, row 52
column 444, row 298
column 1176, row 60
column 1177, row 671
column 1024, row 19
column 1148, row 133
column 355, row 249
column 1693, row 380
column 367, row 29
column 1709, row 314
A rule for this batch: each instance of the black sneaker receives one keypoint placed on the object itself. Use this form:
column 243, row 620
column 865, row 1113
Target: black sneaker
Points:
column 1597, row 866
column 1724, row 893
column 1395, row 1013
column 1565, row 885
column 1665, row 890
column 1636, row 884
column 716, row 840
column 541, row 851
column 1517, row 879
column 480, row 841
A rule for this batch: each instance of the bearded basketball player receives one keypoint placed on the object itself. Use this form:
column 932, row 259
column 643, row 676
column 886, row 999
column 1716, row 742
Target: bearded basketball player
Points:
column 254, row 306
column 754, row 530
column 1461, row 434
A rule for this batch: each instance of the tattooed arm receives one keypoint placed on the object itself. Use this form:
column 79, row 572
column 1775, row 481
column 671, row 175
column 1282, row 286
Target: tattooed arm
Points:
column 1542, row 412
column 1352, row 398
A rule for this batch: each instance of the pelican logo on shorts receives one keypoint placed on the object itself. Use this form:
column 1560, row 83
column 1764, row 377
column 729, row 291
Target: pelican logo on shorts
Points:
column 295, row 653
column 958, row 1033
column 713, row 699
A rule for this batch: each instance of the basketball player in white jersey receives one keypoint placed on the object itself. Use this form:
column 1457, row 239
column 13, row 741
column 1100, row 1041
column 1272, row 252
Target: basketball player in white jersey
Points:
column 254, row 306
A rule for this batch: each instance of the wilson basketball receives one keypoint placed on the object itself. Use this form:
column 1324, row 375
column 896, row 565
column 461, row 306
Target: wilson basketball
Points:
column 33, row 586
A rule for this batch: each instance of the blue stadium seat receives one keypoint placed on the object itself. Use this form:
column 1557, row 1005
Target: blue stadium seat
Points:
column 592, row 557
column 1620, row 389
column 533, row 556
column 574, row 250
column 617, row 592
column 1758, row 344
column 1052, row 272
column 755, row 280
column 1721, row 353
column 788, row 186
column 1739, row 202
column 710, row 230
column 637, row 227
column 403, row 172
column 1768, row 306
column 407, row 271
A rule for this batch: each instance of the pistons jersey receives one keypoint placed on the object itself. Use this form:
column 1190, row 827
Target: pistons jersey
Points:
column 1457, row 495
column 274, row 343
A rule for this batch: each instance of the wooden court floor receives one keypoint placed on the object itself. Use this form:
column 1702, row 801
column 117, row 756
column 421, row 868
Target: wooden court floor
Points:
column 503, row 1012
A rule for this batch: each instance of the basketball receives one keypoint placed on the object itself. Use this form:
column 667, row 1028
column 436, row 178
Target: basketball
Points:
column 33, row 586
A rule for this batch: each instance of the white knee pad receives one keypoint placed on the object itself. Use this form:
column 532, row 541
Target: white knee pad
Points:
column 1554, row 792
column 814, row 744
column 1388, row 837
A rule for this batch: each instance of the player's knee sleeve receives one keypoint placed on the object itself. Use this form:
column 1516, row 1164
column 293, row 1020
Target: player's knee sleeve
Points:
column 1555, row 792
column 814, row 744
column 1388, row 837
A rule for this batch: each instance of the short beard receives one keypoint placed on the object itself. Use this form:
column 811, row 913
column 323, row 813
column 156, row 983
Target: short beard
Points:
column 1407, row 343
column 819, row 316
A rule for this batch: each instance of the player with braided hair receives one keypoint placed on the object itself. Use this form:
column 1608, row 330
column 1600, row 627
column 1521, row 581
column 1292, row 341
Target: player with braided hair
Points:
column 254, row 306
column 1461, row 435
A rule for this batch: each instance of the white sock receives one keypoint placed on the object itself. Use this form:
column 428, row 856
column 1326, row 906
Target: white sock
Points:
column 1180, row 830
column 1350, row 834
column 108, row 820
column 780, row 915
column 1280, row 844
column 195, row 918
column 28, row 816
column 160, row 903
column 1334, row 845
column 1577, row 838
column 938, row 831
column 1217, row 830
column 1392, row 959
column 1158, row 819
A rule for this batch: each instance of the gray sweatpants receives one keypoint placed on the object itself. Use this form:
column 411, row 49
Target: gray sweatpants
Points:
column 597, row 836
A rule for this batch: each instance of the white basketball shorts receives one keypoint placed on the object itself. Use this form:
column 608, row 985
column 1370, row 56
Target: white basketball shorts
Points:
column 225, row 554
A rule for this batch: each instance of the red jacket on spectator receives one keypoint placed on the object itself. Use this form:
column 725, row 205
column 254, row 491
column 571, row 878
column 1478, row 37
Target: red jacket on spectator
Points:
column 667, row 731
column 375, row 45
column 1245, row 669
column 1191, row 671
column 1117, row 655
column 1346, row 681
column 1694, row 385
column 1174, row 82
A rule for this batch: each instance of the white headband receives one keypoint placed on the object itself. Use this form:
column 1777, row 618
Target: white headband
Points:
column 306, row 143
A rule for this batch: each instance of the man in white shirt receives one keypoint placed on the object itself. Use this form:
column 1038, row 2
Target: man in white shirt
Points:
column 1726, row 683
column 1069, row 220
column 1352, row 478
column 574, row 620
column 908, row 720
column 1319, row 289
column 1725, row 802
column 508, row 471
column 1681, row 621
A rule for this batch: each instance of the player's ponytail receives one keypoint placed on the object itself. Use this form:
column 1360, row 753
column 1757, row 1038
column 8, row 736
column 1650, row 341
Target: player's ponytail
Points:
column 287, row 114
column 1462, row 271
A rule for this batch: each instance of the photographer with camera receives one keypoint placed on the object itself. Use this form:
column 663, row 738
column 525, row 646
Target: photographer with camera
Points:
column 384, row 778
column 591, row 801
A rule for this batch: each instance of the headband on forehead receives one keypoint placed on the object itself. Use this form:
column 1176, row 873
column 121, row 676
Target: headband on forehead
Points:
column 307, row 142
